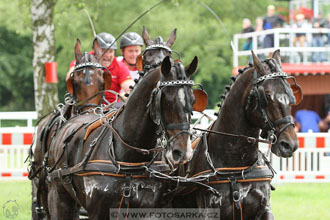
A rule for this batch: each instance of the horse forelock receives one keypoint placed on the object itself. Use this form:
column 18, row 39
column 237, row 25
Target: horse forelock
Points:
column 159, row 40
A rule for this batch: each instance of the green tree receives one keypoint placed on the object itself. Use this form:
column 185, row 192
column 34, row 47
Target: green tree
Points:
column 199, row 33
column 16, row 78
column 42, row 13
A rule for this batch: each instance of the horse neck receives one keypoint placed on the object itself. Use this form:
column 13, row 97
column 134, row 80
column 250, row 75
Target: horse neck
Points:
column 227, row 150
column 134, row 124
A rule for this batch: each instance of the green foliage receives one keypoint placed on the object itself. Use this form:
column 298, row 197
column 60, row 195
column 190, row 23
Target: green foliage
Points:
column 199, row 33
column 16, row 78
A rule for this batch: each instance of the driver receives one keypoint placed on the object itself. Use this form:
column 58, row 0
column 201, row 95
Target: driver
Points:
column 121, row 78
column 131, row 46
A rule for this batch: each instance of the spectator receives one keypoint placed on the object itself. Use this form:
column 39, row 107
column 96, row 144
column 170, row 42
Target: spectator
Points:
column 327, row 25
column 325, row 125
column 270, row 21
column 301, row 24
column 121, row 78
column 307, row 120
column 317, row 40
column 247, row 28
column 259, row 27
column 261, row 37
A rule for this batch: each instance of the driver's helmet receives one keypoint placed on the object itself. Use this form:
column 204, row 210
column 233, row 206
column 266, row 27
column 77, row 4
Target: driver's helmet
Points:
column 105, row 40
column 130, row 39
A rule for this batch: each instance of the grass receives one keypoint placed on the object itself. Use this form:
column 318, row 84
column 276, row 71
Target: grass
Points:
column 300, row 201
column 13, row 123
column 19, row 191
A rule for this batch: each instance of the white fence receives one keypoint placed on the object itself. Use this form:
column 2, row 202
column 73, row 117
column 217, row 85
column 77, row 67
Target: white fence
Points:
column 26, row 116
column 310, row 163
column 283, row 40
column 14, row 148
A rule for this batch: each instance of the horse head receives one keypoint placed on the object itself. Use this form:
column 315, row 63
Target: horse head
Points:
column 88, row 80
column 269, row 104
column 156, row 50
column 172, row 103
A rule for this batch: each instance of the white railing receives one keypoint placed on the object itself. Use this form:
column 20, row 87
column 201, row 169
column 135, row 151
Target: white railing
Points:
column 203, row 120
column 14, row 148
column 306, row 165
column 310, row 163
column 12, row 159
column 283, row 40
column 26, row 116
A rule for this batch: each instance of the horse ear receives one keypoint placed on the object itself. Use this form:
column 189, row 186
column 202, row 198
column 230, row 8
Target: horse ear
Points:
column 139, row 63
column 97, row 49
column 107, row 80
column 145, row 36
column 192, row 67
column 277, row 57
column 69, row 86
column 77, row 51
column 256, row 63
column 166, row 65
column 171, row 38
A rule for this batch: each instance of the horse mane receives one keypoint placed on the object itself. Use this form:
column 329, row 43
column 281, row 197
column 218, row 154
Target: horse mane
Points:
column 270, row 62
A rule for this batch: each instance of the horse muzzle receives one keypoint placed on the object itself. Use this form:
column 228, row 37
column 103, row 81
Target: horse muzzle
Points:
column 285, row 147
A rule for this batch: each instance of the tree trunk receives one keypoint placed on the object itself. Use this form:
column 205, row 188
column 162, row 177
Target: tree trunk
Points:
column 46, row 96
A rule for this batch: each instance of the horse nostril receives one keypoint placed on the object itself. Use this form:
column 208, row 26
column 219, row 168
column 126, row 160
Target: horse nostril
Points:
column 177, row 155
column 286, row 147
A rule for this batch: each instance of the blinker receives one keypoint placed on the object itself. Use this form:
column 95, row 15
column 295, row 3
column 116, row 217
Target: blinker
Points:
column 139, row 63
column 297, row 92
column 201, row 100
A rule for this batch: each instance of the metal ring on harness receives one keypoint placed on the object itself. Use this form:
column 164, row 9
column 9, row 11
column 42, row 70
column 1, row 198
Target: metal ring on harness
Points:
column 236, row 196
column 127, row 191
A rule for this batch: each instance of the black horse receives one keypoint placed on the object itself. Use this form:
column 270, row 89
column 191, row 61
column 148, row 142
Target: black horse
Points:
column 227, row 160
column 86, row 86
column 105, row 167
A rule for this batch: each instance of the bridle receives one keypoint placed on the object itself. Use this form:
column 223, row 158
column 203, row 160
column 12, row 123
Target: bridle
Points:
column 155, row 109
column 148, row 67
column 85, row 68
column 257, row 90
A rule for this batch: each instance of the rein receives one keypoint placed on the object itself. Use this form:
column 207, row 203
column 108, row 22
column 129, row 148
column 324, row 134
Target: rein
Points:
column 181, row 126
column 250, row 140
column 140, row 150
column 80, row 105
